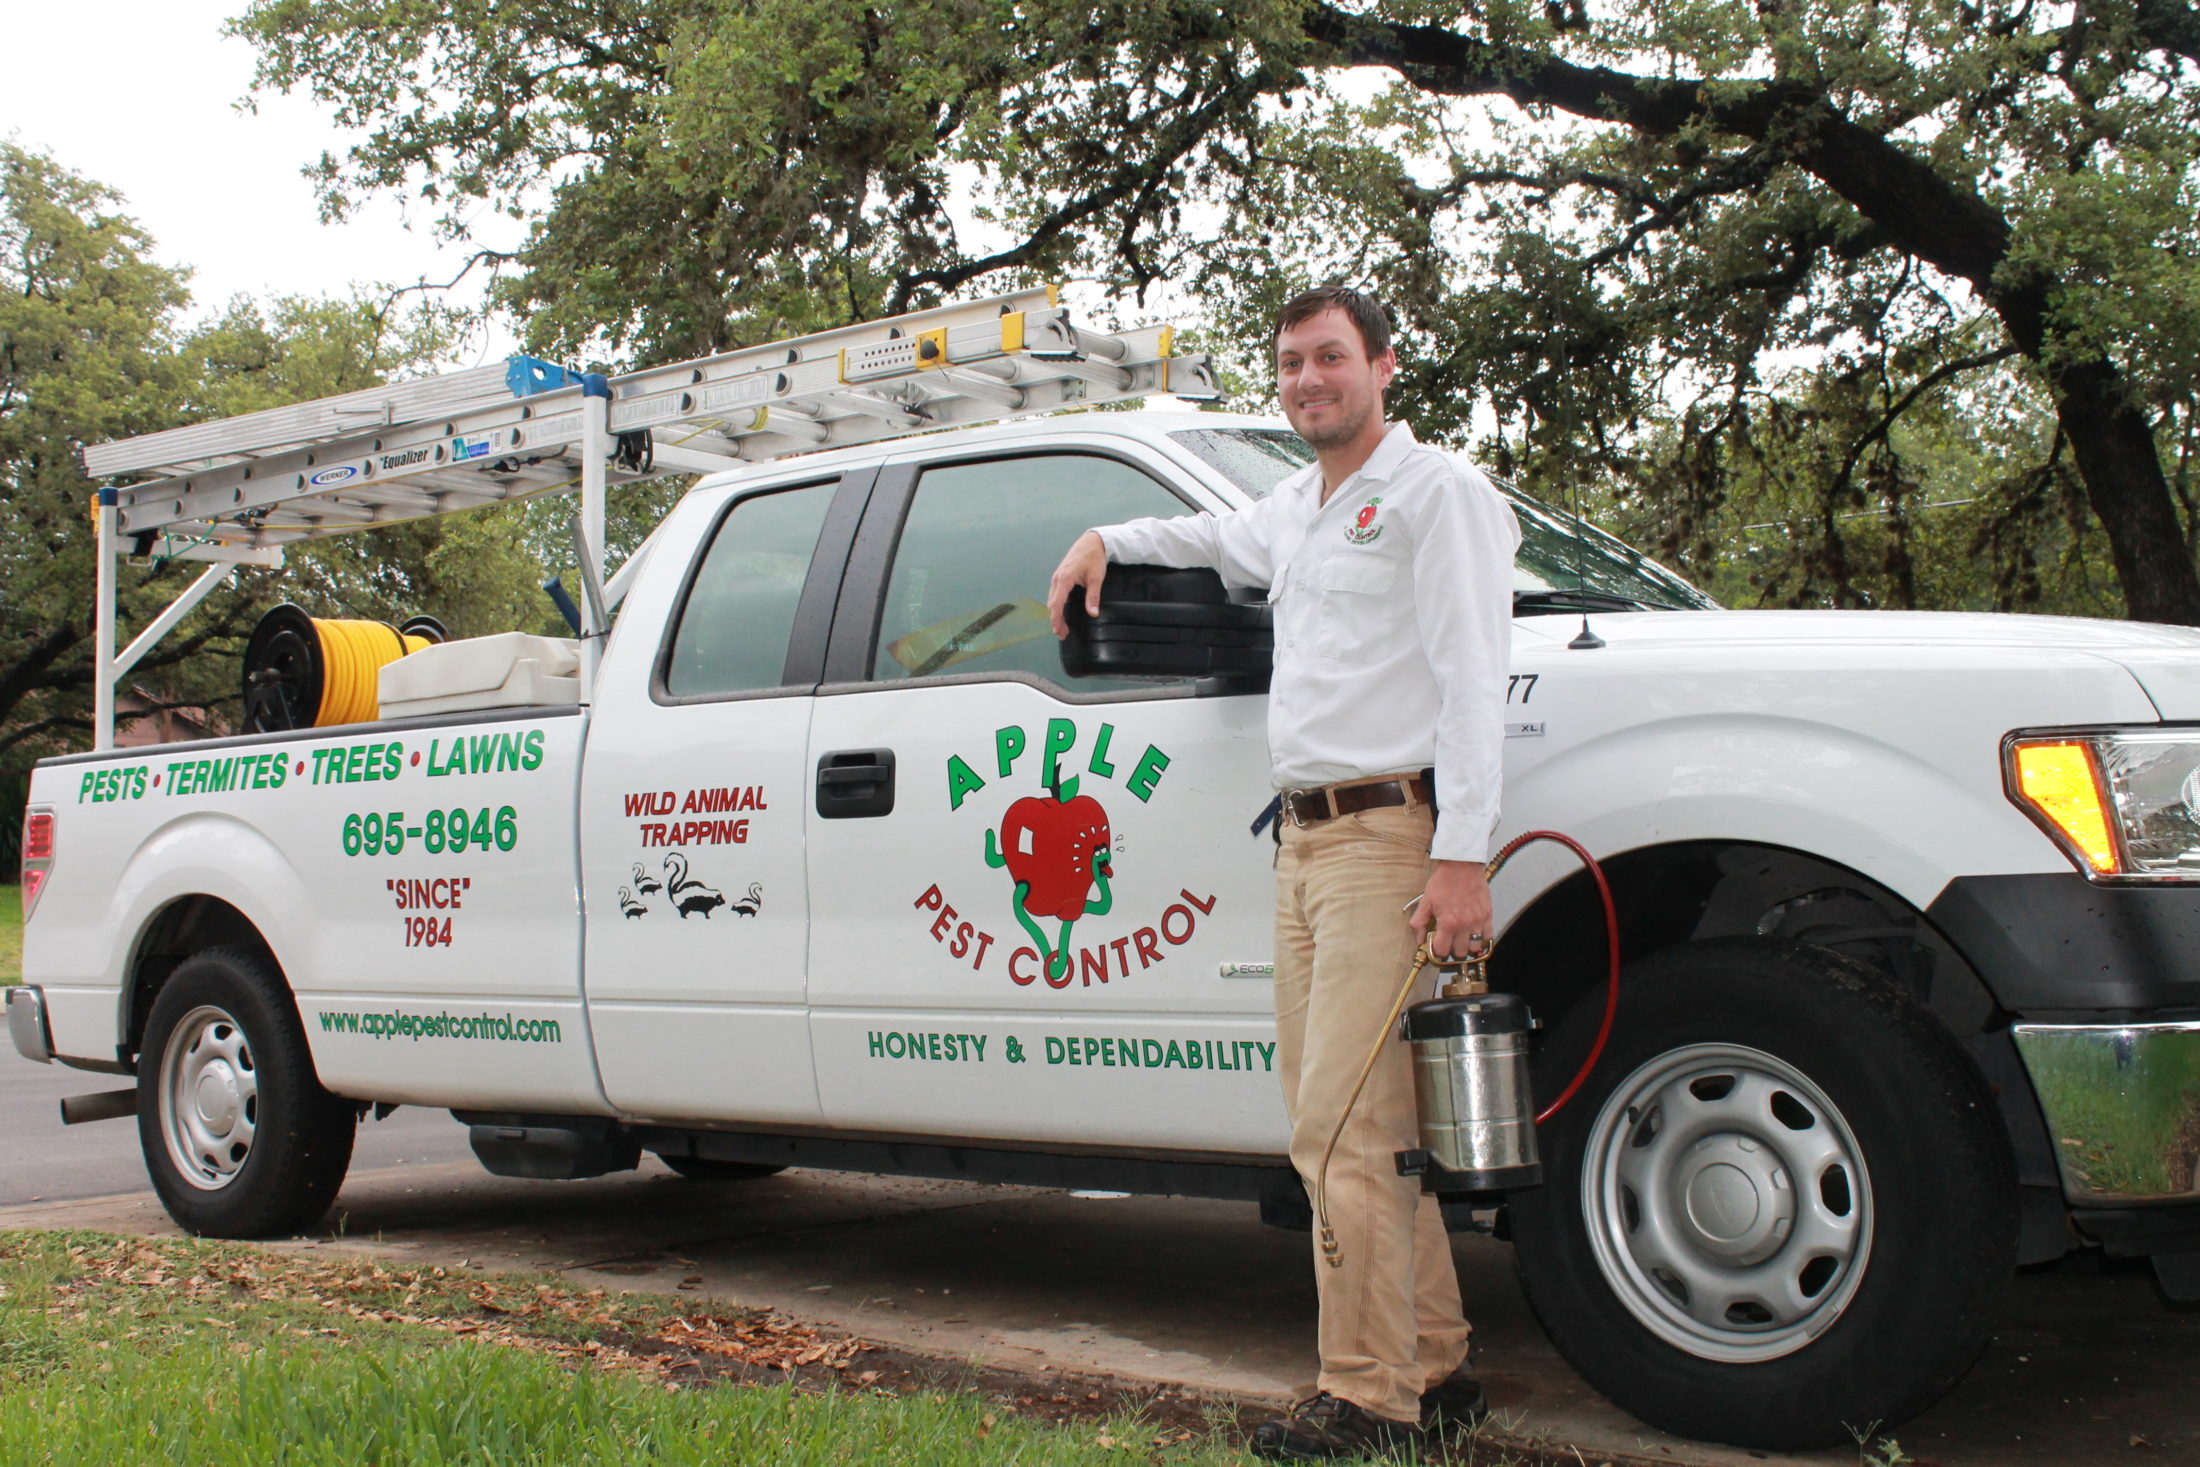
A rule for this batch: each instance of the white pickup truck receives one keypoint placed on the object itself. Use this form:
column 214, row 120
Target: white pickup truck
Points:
column 1912, row 992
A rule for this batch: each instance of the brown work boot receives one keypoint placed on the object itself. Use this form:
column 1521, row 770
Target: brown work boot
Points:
column 1455, row 1403
column 1326, row 1428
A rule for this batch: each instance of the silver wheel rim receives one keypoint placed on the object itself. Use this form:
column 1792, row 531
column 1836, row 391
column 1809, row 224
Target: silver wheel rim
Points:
column 209, row 1098
column 1727, row 1203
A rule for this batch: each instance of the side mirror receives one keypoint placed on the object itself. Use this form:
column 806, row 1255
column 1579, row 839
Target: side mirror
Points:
column 1159, row 622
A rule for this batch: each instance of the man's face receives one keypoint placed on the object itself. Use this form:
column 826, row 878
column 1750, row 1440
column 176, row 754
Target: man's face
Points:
column 1332, row 391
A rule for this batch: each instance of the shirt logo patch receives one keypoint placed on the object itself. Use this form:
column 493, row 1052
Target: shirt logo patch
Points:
column 1363, row 530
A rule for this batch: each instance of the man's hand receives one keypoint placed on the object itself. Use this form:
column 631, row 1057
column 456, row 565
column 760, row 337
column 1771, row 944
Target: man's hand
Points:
column 1454, row 912
column 1084, row 566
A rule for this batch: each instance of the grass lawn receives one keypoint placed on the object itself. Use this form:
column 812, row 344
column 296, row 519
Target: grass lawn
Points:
column 11, row 934
column 122, row 1350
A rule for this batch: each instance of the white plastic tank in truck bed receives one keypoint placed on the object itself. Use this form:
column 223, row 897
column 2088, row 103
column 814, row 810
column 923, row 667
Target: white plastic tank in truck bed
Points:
column 509, row 670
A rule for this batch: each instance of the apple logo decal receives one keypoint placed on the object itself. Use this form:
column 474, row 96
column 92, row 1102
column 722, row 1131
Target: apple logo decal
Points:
column 1056, row 849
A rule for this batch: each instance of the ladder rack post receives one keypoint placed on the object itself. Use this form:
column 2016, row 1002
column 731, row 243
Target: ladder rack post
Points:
column 103, row 628
column 595, row 461
column 166, row 622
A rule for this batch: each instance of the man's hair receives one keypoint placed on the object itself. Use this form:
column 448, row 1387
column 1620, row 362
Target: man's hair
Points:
column 1365, row 312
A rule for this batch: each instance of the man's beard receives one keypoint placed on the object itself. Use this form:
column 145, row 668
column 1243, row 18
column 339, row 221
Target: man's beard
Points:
column 1344, row 431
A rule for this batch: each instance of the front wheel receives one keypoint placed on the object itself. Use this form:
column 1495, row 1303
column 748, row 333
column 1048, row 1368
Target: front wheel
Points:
column 239, row 1137
column 1781, row 1212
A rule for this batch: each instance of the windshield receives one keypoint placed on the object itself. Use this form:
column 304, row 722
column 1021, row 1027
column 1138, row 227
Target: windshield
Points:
column 1563, row 563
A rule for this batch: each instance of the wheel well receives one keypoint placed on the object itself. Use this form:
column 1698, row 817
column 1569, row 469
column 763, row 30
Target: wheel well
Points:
column 185, row 926
column 1553, row 955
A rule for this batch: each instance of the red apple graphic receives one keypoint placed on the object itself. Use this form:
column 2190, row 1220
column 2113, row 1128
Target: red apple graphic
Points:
column 1050, row 845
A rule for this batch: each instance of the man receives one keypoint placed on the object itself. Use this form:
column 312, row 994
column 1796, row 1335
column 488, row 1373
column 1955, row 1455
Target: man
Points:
column 1389, row 567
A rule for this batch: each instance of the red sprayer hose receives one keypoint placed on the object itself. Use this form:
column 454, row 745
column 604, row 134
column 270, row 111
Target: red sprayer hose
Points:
column 1329, row 1245
column 1611, row 940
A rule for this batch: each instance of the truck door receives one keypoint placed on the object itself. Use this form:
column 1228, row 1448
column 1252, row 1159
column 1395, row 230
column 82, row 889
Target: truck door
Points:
column 1038, row 912
column 694, row 803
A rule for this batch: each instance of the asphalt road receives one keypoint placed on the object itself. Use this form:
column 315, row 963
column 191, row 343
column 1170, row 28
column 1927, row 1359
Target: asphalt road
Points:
column 2092, row 1365
column 49, row 1162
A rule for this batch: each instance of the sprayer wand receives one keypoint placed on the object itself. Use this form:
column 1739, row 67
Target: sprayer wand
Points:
column 1469, row 980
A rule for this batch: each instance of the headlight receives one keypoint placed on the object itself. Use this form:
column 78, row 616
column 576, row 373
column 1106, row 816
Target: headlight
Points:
column 2123, row 805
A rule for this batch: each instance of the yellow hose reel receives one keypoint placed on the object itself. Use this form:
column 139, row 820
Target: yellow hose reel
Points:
column 304, row 672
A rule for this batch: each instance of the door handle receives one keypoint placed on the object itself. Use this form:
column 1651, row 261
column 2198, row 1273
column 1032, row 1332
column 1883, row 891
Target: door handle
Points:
column 855, row 784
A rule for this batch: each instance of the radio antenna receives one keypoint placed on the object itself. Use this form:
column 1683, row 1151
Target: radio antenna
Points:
column 1584, row 640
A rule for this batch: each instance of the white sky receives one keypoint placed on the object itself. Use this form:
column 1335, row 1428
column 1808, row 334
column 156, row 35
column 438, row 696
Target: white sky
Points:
column 141, row 97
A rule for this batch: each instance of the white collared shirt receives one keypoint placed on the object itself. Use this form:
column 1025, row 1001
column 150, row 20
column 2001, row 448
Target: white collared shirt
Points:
column 1393, row 610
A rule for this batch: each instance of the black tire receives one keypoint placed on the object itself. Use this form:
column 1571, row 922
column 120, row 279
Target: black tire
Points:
column 709, row 1169
column 261, row 1148
column 1706, row 1325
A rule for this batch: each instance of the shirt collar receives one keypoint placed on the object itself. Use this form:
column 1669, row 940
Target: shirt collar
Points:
column 1398, row 441
column 1391, row 452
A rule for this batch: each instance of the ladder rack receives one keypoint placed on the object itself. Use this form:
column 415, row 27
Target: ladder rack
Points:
column 236, row 491
column 499, row 433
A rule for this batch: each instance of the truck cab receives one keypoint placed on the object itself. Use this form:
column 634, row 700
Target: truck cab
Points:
column 837, row 866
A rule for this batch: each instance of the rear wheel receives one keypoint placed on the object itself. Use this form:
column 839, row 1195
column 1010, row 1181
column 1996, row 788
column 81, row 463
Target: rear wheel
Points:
column 1780, row 1212
column 239, row 1137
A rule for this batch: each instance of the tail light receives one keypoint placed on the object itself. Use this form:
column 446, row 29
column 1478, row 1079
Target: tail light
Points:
column 38, row 827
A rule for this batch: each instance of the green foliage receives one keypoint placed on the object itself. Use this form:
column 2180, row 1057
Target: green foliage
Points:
column 1717, row 353
column 94, row 345
column 702, row 174
column 1712, row 264
column 84, row 355
column 11, row 934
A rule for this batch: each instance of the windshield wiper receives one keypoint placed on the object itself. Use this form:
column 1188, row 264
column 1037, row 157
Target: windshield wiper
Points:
column 1547, row 603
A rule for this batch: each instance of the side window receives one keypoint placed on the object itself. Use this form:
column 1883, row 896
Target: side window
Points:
column 969, row 585
column 731, row 632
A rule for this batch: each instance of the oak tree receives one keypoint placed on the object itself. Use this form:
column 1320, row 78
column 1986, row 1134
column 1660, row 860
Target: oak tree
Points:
column 1927, row 189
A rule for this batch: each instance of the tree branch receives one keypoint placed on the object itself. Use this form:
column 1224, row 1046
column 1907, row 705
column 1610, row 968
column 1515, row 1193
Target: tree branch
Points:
column 11, row 737
column 1140, row 180
column 28, row 673
column 1918, row 389
column 1923, row 213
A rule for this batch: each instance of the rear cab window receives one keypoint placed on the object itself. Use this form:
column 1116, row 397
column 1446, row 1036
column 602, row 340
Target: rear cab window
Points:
column 731, row 632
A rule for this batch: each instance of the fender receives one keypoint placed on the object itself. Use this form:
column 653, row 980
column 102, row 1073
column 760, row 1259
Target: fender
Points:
column 1908, row 819
column 198, row 853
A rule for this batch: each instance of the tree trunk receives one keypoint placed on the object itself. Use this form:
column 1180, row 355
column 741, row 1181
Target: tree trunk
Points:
column 2114, row 447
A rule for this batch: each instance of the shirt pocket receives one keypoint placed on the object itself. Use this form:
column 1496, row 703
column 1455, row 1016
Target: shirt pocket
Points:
column 1357, row 597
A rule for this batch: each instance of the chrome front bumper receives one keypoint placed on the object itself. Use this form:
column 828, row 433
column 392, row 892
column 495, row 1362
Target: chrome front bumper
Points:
column 27, row 1024
column 2122, row 1103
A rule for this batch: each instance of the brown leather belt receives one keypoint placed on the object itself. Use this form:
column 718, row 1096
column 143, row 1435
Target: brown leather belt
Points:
column 1306, row 807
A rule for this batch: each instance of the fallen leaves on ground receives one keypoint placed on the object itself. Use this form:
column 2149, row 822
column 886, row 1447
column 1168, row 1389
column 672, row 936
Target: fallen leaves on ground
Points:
column 578, row 1325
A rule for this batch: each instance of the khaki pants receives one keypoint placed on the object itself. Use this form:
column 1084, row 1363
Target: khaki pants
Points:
column 1391, row 1323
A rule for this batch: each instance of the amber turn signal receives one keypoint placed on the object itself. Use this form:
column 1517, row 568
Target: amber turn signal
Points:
column 2059, row 782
